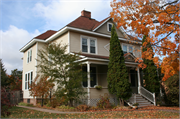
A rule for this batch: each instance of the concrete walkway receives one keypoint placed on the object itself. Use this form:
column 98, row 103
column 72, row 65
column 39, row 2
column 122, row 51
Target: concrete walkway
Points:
column 60, row 112
column 48, row 110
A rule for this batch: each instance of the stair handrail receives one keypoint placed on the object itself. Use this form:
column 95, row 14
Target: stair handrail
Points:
column 145, row 90
column 131, row 100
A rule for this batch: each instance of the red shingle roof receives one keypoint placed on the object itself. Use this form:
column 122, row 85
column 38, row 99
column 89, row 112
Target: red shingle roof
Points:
column 46, row 35
column 99, row 23
column 83, row 23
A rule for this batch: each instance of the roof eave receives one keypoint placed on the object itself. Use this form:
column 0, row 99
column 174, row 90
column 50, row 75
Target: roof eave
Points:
column 63, row 30
column 23, row 49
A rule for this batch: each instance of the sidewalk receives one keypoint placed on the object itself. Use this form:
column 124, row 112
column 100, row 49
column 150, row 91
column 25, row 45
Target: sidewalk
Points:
column 59, row 112
column 48, row 110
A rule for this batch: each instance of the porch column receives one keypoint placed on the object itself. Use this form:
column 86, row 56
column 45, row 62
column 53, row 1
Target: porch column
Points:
column 88, row 81
column 139, row 80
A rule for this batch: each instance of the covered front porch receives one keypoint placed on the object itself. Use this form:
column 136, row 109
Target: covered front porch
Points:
column 97, row 68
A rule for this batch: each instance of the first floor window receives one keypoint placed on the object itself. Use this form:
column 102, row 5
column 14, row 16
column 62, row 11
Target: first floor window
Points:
column 28, row 79
column 93, row 79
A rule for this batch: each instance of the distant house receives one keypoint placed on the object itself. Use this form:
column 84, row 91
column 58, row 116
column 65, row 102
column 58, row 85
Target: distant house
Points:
column 92, row 39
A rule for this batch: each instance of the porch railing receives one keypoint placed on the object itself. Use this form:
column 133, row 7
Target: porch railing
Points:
column 148, row 95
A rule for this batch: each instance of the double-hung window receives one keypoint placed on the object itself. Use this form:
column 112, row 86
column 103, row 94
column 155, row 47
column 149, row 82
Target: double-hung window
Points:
column 28, row 79
column 29, row 57
column 88, row 45
column 84, row 45
column 127, row 48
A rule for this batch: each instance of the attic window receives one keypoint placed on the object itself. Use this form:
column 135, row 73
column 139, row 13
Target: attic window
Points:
column 109, row 26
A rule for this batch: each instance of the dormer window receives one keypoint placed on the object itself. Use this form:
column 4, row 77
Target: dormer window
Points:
column 88, row 44
column 109, row 26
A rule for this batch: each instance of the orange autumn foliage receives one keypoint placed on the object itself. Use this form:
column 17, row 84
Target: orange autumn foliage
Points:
column 159, row 20
column 40, row 87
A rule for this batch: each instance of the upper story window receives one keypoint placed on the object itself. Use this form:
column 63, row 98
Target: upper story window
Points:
column 127, row 48
column 109, row 26
column 28, row 79
column 88, row 45
column 29, row 57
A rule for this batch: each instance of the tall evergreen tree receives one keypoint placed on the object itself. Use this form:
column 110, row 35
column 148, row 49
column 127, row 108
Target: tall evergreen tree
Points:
column 150, row 72
column 117, row 76
column 4, row 77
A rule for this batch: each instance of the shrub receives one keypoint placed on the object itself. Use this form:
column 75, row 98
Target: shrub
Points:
column 48, row 104
column 5, row 103
column 54, row 103
column 135, row 104
column 65, row 107
column 104, row 102
column 172, row 90
column 25, row 104
column 98, row 87
column 82, row 107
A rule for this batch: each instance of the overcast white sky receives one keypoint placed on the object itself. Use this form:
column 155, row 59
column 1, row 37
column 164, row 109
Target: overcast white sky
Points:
column 21, row 20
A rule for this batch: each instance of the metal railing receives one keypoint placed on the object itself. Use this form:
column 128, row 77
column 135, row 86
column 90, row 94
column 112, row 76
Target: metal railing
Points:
column 147, row 94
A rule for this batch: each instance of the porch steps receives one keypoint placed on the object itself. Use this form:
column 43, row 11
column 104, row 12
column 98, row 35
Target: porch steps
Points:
column 142, row 101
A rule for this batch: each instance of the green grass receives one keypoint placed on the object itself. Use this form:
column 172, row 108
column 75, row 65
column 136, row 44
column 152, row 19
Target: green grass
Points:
column 18, row 112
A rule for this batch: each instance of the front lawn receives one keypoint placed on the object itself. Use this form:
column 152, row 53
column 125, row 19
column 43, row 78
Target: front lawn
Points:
column 18, row 112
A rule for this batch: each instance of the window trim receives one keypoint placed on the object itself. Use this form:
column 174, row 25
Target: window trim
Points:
column 28, row 57
column 28, row 80
column 123, row 44
column 88, row 44
column 108, row 26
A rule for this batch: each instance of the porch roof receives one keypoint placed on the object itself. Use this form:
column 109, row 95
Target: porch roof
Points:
column 103, row 57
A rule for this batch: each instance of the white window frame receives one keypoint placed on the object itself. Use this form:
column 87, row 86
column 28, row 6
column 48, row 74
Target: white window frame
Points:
column 128, row 45
column 88, row 44
column 29, row 79
column 108, row 26
column 29, row 58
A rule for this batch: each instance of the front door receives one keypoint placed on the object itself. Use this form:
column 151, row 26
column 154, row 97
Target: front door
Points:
column 133, row 77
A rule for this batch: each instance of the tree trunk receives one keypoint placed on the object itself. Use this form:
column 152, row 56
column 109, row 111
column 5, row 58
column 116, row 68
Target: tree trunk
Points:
column 42, row 101
column 71, row 102
column 121, row 102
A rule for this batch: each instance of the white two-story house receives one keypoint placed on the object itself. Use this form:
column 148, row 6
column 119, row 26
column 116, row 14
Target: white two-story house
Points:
column 92, row 39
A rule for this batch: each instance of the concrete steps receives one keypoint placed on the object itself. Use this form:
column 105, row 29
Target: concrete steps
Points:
column 142, row 101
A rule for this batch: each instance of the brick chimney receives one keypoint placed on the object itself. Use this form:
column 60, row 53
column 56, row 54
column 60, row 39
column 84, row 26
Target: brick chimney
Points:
column 86, row 13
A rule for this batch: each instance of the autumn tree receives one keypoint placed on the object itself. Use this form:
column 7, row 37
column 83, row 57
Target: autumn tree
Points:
column 117, row 76
column 159, row 21
column 15, row 79
column 40, row 87
column 150, row 72
column 64, row 69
